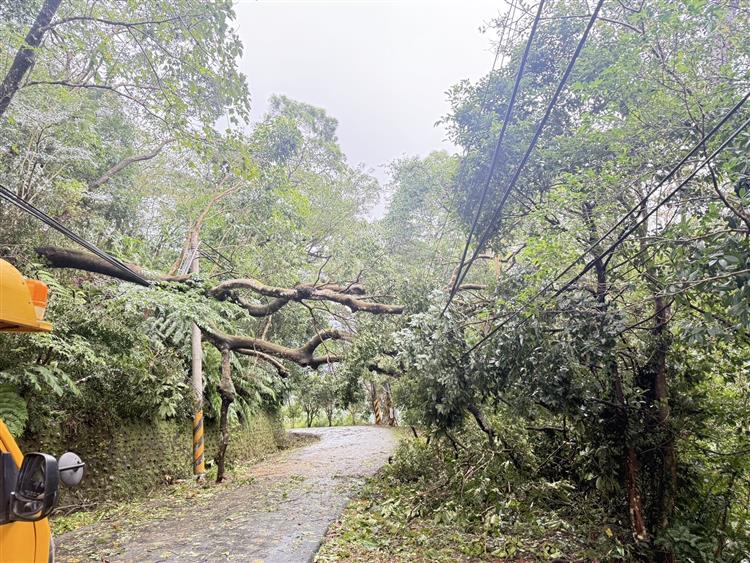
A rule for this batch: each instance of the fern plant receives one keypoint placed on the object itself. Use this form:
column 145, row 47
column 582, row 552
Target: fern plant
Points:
column 13, row 410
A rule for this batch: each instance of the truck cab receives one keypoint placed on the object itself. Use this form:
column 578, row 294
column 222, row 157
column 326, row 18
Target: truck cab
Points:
column 29, row 485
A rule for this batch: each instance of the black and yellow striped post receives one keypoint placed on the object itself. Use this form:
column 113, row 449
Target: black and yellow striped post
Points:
column 377, row 412
column 199, row 464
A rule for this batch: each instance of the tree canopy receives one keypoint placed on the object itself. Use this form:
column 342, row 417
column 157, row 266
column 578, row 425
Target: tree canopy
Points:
column 595, row 336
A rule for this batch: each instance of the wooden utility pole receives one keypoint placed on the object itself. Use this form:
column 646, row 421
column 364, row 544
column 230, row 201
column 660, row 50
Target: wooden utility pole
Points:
column 199, row 465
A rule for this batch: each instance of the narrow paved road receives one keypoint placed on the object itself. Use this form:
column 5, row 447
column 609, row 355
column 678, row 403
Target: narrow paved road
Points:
column 281, row 516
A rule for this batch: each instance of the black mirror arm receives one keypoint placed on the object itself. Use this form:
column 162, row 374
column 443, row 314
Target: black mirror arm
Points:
column 72, row 467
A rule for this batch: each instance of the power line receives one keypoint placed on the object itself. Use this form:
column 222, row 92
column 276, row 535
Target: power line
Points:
column 637, row 206
column 698, row 146
column 632, row 210
column 496, row 154
column 510, row 25
column 630, row 230
column 29, row 208
column 216, row 257
column 496, row 216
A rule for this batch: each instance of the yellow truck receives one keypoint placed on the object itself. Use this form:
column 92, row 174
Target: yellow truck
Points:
column 29, row 484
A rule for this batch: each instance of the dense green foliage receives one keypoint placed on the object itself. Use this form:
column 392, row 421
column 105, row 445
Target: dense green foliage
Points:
column 449, row 502
column 621, row 394
column 114, row 133
column 628, row 387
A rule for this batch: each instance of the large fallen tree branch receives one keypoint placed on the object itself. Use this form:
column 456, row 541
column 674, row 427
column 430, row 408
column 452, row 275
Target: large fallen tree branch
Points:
column 350, row 296
column 253, row 309
column 80, row 260
column 303, row 356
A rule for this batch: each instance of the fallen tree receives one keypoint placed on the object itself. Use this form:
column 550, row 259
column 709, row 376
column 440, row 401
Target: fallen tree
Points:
column 352, row 296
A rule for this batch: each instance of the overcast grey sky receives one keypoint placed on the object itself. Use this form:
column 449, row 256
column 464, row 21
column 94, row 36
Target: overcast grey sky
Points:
column 380, row 67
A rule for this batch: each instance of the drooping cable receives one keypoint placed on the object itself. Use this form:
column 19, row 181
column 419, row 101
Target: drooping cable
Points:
column 496, row 153
column 630, row 230
column 638, row 206
column 537, row 133
column 29, row 208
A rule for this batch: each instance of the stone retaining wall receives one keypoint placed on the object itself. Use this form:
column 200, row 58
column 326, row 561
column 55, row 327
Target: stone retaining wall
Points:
column 128, row 459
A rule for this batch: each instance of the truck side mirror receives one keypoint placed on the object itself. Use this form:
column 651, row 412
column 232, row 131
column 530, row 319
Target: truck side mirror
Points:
column 71, row 469
column 37, row 487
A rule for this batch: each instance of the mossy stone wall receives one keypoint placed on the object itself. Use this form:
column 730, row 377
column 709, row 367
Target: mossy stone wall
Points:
column 126, row 459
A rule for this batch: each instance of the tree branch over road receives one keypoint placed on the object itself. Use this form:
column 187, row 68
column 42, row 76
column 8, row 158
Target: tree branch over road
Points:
column 352, row 296
column 303, row 356
column 348, row 296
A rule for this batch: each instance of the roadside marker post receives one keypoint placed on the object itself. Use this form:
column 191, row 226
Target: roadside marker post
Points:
column 199, row 464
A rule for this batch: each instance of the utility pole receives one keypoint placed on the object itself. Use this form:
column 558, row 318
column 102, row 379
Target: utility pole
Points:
column 199, row 465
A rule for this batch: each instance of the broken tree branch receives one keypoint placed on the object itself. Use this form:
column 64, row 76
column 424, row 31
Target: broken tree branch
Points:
column 80, row 260
column 349, row 296
column 125, row 162
column 303, row 356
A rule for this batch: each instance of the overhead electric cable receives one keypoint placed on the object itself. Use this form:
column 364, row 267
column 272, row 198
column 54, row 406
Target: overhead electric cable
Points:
column 511, row 26
column 508, row 25
column 630, row 230
column 496, row 216
column 29, row 208
column 638, row 205
column 496, row 153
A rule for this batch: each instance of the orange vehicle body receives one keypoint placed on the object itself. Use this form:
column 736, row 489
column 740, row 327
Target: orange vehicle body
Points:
column 22, row 541
column 22, row 304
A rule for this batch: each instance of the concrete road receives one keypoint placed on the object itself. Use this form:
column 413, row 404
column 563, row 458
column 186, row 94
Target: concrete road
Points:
column 281, row 516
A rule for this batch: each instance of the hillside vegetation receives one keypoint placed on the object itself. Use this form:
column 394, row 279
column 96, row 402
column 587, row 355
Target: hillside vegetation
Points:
column 562, row 316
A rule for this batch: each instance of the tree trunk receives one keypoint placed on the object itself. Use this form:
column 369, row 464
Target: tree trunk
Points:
column 725, row 516
column 635, row 504
column 389, row 410
column 631, row 466
column 228, row 394
column 80, row 260
column 482, row 422
column 25, row 56
column 653, row 380
column 668, row 484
